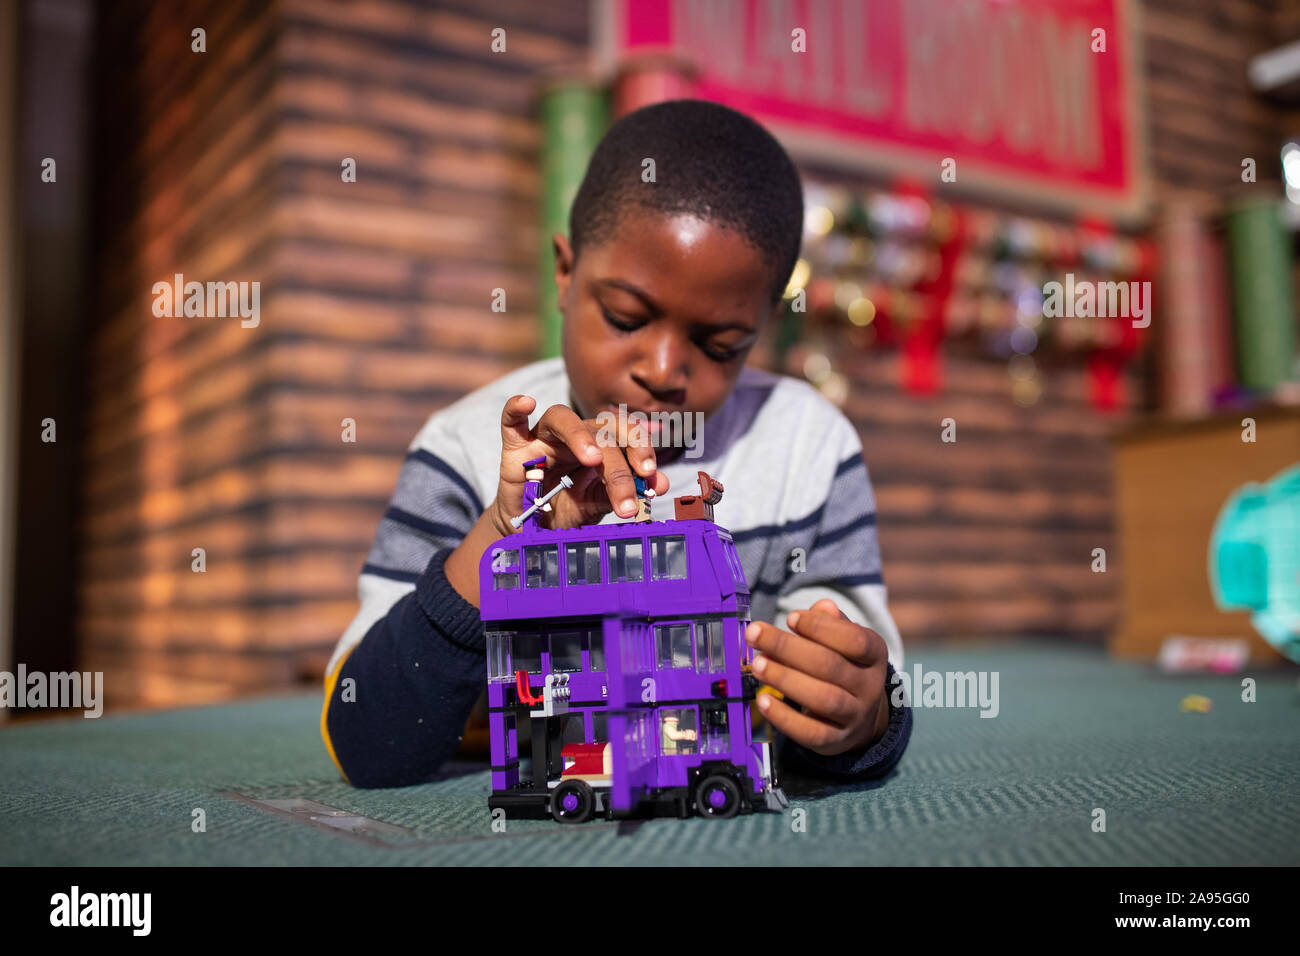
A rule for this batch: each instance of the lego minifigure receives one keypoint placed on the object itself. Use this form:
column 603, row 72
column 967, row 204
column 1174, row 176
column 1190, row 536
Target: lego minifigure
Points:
column 671, row 735
column 644, row 494
column 533, row 475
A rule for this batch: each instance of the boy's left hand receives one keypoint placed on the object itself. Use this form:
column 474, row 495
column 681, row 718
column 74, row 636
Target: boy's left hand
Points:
column 834, row 668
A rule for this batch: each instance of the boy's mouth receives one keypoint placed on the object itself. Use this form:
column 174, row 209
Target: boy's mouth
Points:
column 651, row 422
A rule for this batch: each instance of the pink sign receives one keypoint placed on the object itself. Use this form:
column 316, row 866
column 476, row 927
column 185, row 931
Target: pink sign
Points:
column 1035, row 99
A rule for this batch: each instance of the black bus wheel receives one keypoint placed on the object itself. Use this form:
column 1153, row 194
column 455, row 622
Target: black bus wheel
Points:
column 572, row 802
column 717, row 796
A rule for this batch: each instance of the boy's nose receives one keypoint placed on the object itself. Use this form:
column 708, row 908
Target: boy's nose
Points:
column 664, row 391
column 665, row 371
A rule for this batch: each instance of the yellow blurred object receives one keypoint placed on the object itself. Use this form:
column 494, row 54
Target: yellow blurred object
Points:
column 756, row 717
column 798, row 278
column 861, row 311
column 1196, row 702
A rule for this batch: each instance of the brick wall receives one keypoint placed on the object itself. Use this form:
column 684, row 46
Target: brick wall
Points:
column 226, row 166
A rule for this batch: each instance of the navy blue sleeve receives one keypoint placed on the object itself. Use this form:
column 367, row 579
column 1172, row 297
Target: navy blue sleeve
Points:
column 866, row 763
column 416, row 676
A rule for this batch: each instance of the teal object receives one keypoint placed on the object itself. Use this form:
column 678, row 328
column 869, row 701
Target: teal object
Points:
column 1255, row 558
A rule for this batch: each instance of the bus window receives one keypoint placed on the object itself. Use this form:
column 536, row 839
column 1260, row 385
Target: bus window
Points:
column 737, row 569
column 498, row 656
column 526, row 652
column 573, row 728
column 583, row 558
column 674, row 645
column 728, row 555
column 566, row 651
column 677, row 733
column 541, row 566
column 596, row 650
column 709, row 650
column 512, row 738
column 716, row 739
column 668, row 557
column 625, row 562
column 505, row 569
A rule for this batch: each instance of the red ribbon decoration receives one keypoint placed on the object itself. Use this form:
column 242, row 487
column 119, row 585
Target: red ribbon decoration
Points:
column 1105, row 365
column 922, row 371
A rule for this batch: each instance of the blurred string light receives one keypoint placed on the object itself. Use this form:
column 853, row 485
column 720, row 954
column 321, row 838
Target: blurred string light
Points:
column 818, row 220
column 835, row 387
column 816, row 366
column 1023, row 340
column 1022, row 366
column 817, row 369
column 861, row 251
column 1025, row 385
column 861, row 311
column 1291, row 171
column 1026, row 391
column 846, row 293
column 876, row 263
column 811, row 359
column 798, row 278
column 1029, row 306
column 1029, row 316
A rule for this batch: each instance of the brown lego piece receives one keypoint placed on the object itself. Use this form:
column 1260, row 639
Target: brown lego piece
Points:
column 696, row 507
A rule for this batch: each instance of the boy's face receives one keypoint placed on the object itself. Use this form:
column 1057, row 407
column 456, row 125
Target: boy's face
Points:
column 661, row 316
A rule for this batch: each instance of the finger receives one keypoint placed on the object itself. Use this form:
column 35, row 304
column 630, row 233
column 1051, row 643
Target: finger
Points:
column 619, row 485
column 633, row 437
column 562, row 429
column 813, row 659
column 828, row 701
column 515, row 432
column 816, row 735
column 827, row 606
column 519, row 444
column 859, row 644
column 640, row 449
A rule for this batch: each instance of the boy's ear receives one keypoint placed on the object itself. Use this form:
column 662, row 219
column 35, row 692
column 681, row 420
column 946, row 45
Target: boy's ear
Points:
column 563, row 264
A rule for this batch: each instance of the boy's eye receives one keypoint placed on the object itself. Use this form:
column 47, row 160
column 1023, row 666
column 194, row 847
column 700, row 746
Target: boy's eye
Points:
column 726, row 351
column 722, row 354
column 618, row 323
column 716, row 353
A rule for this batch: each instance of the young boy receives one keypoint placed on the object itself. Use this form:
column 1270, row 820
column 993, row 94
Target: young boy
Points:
column 664, row 287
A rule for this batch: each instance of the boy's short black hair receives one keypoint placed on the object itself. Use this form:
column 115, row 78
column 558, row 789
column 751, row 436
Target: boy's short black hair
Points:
column 710, row 161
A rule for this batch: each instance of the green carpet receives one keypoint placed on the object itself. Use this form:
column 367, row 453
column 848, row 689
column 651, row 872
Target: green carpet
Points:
column 1075, row 731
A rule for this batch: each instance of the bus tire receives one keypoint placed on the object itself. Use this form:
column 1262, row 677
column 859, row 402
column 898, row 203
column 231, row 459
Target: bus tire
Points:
column 572, row 802
column 717, row 796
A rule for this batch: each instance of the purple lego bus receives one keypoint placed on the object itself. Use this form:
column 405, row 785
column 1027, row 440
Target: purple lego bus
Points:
column 618, row 650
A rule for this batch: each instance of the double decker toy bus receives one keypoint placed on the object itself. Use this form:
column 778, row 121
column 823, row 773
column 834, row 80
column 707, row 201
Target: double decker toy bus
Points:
column 618, row 649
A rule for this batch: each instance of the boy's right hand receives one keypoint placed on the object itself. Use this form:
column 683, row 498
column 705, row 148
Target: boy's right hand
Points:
column 602, row 480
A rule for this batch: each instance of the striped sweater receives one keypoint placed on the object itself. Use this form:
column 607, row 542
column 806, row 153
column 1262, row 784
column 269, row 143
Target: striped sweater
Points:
column 798, row 503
